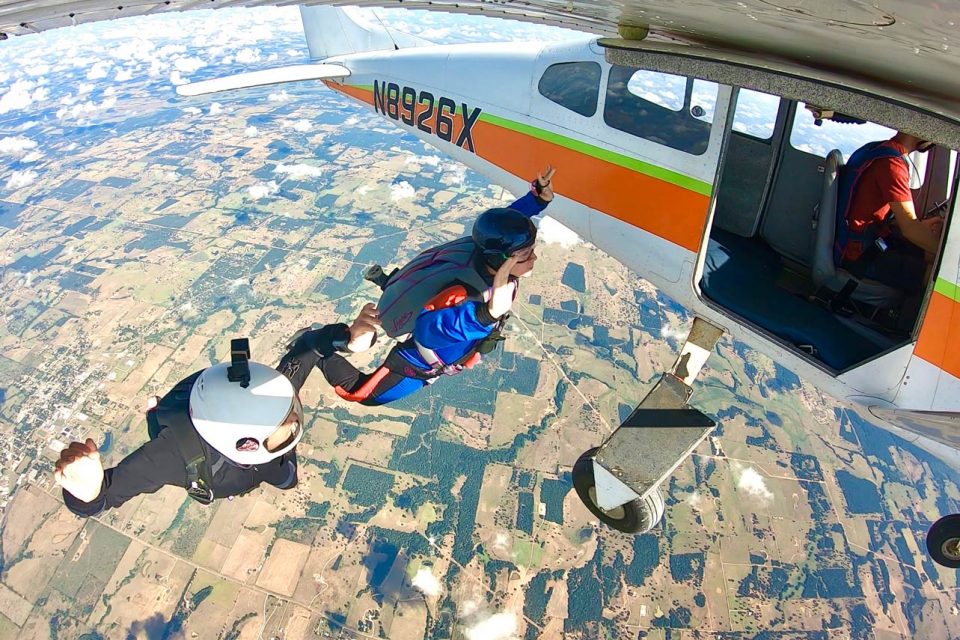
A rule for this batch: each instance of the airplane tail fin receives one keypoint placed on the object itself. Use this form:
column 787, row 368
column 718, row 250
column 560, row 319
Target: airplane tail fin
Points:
column 333, row 31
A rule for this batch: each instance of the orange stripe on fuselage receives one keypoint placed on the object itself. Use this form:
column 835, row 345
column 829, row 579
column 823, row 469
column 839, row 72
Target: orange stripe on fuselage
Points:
column 659, row 207
column 941, row 328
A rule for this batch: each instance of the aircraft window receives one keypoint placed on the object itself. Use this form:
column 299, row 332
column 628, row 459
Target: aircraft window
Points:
column 756, row 114
column 705, row 97
column 819, row 140
column 670, row 110
column 574, row 85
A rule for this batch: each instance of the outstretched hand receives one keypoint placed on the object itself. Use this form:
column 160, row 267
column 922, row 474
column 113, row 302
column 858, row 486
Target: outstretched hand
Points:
column 542, row 185
column 363, row 331
column 501, row 300
column 80, row 470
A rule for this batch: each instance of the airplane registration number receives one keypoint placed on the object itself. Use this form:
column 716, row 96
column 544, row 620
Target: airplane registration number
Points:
column 437, row 116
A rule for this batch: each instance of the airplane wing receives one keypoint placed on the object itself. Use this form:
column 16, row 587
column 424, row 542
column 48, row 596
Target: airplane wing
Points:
column 295, row 73
column 912, row 44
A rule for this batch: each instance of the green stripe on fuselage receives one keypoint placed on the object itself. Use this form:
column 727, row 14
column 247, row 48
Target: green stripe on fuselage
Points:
column 948, row 289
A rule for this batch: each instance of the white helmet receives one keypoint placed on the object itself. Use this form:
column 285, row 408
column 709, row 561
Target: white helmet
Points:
column 236, row 420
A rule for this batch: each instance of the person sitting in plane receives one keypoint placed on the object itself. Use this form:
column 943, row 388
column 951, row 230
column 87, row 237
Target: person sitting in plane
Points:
column 882, row 238
column 458, row 323
column 218, row 433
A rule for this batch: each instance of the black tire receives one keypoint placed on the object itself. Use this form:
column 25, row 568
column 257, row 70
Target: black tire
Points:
column 636, row 516
column 943, row 541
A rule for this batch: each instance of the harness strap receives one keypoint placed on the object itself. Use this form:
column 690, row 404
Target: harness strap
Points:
column 365, row 389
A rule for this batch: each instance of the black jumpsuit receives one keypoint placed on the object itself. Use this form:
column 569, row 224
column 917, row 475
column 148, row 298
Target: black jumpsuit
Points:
column 158, row 462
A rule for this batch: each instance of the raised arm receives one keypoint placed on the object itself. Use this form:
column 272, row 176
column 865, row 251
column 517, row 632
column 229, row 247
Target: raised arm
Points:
column 540, row 195
column 88, row 489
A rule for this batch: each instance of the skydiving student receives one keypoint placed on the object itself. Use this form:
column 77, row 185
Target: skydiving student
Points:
column 447, row 306
column 218, row 433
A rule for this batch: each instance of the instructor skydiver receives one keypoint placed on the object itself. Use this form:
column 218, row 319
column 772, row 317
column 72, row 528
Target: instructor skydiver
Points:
column 218, row 433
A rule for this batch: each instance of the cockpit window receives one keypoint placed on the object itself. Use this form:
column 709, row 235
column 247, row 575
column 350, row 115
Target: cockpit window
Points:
column 574, row 85
column 670, row 110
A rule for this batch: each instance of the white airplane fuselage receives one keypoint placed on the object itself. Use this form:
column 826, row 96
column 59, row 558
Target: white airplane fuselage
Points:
column 644, row 203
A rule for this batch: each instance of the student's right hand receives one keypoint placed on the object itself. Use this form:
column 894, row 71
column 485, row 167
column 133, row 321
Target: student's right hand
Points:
column 363, row 331
column 503, row 289
column 80, row 471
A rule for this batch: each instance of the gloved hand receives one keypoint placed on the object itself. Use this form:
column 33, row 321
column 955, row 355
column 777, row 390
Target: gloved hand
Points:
column 80, row 470
column 503, row 289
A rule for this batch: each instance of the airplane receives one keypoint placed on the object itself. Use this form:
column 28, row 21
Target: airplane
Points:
column 735, row 223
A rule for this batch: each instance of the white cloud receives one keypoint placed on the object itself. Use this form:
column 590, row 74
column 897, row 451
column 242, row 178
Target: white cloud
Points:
column 16, row 146
column 263, row 190
column 251, row 132
column 29, row 124
column 215, row 108
column 431, row 161
column 193, row 110
column 108, row 103
column 500, row 626
column 426, row 582
column 303, row 125
column 752, row 483
column 40, row 94
column 36, row 70
column 553, row 232
column 4, row 76
column 109, row 91
column 17, row 97
column 401, row 190
column 123, row 75
column 84, row 88
column 98, row 71
column 176, row 78
column 695, row 500
column 351, row 121
column 282, row 96
column 297, row 171
column 226, row 60
column 248, row 55
column 32, row 156
column 188, row 65
column 20, row 179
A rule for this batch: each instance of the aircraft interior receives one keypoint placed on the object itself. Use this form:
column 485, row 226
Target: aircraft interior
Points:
column 769, row 260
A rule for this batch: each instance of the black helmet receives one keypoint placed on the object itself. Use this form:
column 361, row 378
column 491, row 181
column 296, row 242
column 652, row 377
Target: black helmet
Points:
column 499, row 233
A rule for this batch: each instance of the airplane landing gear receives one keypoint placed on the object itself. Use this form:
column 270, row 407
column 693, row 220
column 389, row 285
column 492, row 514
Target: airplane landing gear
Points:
column 619, row 480
column 637, row 516
column 943, row 541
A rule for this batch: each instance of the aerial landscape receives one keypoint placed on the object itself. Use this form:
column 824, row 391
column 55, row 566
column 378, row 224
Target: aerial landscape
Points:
column 140, row 231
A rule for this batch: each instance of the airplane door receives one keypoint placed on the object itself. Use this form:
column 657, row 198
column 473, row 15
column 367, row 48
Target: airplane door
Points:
column 665, row 132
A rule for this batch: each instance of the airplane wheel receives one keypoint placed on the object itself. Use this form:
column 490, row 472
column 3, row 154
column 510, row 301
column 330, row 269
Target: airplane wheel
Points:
column 943, row 541
column 636, row 516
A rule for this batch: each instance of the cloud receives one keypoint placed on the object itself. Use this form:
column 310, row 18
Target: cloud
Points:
column 282, row 96
column 215, row 108
column 302, row 125
column 248, row 55
column 351, row 121
column 176, row 78
column 17, row 97
column 188, row 65
column 695, row 500
column 108, row 103
column 20, row 179
column 500, row 626
column 431, row 161
column 263, row 190
column 426, row 582
column 553, row 232
column 98, row 71
column 123, row 75
column 298, row 171
column 401, row 190
column 752, row 483
column 32, row 157
column 85, row 87
column 251, row 132
column 16, row 146
column 193, row 110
